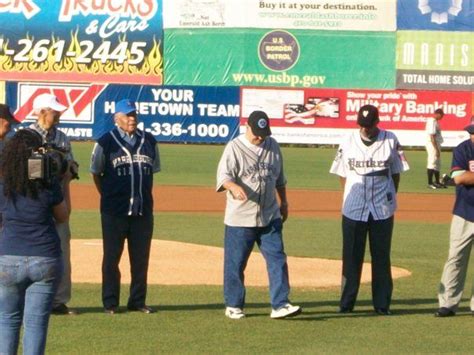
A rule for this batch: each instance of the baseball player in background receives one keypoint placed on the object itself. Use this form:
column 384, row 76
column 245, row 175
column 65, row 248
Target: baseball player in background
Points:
column 433, row 148
column 48, row 111
column 251, row 171
column 122, row 166
column 369, row 162
column 462, row 230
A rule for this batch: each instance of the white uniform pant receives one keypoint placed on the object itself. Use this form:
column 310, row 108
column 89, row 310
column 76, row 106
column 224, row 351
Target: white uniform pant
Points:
column 433, row 162
column 454, row 274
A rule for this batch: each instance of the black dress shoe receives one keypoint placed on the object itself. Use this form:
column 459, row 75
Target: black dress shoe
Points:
column 145, row 309
column 111, row 310
column 345, row 310
column 63, row 310
column 383, row 312
column 445, row 312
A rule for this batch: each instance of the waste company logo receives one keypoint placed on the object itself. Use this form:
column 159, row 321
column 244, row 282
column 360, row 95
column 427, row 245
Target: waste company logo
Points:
column 278, row 50
column 79, row 98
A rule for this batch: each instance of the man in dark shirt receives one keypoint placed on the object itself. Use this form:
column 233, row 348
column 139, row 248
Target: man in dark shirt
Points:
column 462, row 229
column 122, row 166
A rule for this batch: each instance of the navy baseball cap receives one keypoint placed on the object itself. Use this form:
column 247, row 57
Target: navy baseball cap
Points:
column 125, row 106
column 259, row 124
column 470, row 128
column 368, row 116
column 6, row 114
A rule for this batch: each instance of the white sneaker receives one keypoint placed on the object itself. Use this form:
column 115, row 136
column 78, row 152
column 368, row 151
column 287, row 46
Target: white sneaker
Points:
column 288, row 310
column 234, row 313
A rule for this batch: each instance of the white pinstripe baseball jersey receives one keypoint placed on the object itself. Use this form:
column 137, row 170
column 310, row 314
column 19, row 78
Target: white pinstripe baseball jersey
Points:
column 368, row 170
column 432, row 128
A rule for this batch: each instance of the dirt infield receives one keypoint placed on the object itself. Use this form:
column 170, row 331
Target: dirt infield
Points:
column 174, row 263
column 429, row 207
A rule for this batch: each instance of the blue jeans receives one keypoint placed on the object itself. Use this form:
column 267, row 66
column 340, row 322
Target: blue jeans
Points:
column 27, row 288
column 238, row 244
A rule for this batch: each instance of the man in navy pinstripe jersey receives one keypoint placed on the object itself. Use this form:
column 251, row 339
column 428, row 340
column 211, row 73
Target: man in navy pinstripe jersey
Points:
column 369, row 162
column 122, row 166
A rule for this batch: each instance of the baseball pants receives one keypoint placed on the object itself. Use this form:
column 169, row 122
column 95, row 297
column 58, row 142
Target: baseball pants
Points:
column 63, row 293
column 454, row 274
column 354, row 234
column 138, row 231
column 238, row 244
column 433, row 162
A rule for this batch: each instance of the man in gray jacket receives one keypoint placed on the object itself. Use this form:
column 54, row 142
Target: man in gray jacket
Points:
column 48, row 110
column 251, row 170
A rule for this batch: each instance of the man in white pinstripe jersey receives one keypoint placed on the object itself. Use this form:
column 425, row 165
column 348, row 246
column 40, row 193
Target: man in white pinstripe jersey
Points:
column 369, row 162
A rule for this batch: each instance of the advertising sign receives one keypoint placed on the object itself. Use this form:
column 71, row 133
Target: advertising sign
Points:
column 438, row 15
column 348, row 15
column 171, row 114
column 82, row 41
column 280, row 58
column 318, row 116
column 435, row 60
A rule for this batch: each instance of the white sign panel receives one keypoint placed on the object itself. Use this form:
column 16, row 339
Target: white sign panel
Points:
column 348, row 15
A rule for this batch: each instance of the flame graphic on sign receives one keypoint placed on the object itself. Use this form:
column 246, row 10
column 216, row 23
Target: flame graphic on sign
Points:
column 152, row 64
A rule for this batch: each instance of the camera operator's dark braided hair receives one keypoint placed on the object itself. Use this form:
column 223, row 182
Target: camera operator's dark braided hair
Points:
column 15, row 164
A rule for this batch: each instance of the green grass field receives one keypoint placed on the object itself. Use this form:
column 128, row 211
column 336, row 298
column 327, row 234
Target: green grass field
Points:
column 306, row 168
column 191, row 318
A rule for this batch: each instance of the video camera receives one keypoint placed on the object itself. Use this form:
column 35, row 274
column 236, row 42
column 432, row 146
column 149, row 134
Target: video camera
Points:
column 49, row 162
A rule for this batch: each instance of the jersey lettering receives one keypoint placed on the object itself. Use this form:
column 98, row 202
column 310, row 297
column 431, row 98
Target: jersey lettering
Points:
column 371, row 163
column 136, row 158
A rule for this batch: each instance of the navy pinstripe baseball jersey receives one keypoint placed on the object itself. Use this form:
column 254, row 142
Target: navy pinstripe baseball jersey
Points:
column 127, row 176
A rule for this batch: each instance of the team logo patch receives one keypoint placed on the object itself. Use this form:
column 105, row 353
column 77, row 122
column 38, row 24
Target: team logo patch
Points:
column 262, row 123
column 365, row 113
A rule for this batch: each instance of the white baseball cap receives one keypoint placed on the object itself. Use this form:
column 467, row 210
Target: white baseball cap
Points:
column 48, row 101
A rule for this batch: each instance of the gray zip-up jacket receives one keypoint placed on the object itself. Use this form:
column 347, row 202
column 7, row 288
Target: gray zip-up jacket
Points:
column 259, row 174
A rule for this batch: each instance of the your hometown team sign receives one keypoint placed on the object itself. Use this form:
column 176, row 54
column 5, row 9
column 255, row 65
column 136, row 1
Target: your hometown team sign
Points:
column 170, row 113
column 81, row 41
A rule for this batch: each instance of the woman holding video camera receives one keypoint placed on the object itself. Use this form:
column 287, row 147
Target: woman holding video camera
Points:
column 30, row 250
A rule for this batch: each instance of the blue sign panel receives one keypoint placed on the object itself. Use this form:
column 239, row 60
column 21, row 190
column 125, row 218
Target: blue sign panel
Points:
column 441, row 15
column 171, row 113
column 82, row 41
